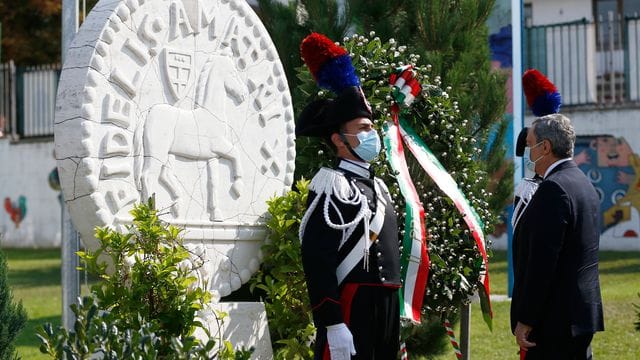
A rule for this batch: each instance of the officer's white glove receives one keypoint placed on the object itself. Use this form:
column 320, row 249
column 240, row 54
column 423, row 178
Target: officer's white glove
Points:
column 340, row 342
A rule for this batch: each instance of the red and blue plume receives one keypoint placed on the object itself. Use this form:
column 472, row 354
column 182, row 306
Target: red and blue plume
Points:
column 542, row 96
column 329, row 63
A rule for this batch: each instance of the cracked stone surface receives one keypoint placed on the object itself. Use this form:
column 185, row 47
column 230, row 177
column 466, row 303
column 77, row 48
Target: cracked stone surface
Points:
column 186, row 100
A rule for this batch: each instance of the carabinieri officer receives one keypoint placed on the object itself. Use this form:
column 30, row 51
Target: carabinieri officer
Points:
column 349, row 234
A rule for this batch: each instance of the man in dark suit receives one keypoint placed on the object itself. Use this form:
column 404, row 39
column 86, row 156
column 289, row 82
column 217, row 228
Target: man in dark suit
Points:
column 556, row 306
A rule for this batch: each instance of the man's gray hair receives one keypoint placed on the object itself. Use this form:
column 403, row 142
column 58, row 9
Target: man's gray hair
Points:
column 557, row 129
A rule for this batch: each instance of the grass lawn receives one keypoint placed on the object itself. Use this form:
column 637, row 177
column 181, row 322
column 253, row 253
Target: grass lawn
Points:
column 620, row 284
column 34, row 276
column 35, row 279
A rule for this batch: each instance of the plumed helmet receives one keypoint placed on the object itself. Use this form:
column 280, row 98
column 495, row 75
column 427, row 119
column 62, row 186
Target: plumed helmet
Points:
column 543, row 99
column 332, row 69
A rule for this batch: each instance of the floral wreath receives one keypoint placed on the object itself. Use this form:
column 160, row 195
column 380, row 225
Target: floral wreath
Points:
column 405, row 104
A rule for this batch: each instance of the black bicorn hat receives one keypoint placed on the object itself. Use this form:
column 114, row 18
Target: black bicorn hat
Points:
column 323, row 117
column 332, row 69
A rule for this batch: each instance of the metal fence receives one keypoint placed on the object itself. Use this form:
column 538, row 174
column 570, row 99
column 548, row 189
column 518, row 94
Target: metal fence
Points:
column 591, row 62
column 7, row 98
column 27, row 100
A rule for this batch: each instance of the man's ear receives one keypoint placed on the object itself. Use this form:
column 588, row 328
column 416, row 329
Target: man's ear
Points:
column 547, row 146
column 337, row 140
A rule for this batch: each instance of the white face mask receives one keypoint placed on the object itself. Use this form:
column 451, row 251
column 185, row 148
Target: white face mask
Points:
column 530, row 163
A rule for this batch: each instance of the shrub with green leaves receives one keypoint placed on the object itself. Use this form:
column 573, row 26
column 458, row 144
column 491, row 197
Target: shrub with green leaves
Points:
column 637, row 323
column 13, row 317
column 145, row 302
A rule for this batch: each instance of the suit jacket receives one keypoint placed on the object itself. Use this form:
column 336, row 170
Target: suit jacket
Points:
column 321, row 256
column 555, row 249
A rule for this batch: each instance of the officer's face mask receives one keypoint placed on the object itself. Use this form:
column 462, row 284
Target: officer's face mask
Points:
column 369, row 146
column 530, row 163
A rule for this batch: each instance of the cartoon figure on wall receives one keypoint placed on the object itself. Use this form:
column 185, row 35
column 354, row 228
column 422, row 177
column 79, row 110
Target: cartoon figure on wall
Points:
column 614, row 170
column 17, row 211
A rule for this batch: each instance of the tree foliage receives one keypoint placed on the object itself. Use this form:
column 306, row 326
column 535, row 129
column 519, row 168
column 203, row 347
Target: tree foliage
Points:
column 450, row 36
column 31, row 30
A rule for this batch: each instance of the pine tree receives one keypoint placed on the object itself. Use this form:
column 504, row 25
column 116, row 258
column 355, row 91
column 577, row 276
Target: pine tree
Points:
column 12, row 316
column 31, row 31
column 451, row 36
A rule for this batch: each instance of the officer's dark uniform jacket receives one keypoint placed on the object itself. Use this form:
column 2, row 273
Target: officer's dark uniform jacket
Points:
column 522, row 196
column 321, row 250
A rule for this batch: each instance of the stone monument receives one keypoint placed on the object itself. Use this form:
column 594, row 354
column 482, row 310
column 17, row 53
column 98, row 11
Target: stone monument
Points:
column 187, row 100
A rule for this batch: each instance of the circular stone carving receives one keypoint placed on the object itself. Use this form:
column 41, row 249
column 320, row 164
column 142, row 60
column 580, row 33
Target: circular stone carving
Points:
column 186, row 100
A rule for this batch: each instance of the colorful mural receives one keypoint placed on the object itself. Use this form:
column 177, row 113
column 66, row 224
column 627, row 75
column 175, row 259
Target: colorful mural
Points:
column 614, row 170
column 16, row 210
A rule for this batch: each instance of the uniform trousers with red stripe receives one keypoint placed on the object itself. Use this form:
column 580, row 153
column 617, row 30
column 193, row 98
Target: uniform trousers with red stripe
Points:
column 372, row 314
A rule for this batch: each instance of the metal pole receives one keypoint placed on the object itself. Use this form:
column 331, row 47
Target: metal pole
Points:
column 518, row 118
column 465, row 331
column 69, row 24
column 14, row 102
column 70, row 239
column 70, row 274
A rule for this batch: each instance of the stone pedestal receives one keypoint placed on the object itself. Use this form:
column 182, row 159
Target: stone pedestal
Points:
column 245, row 325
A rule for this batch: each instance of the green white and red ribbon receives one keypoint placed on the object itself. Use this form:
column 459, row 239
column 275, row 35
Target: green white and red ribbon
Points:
column 405, row 85
column 405, row 88
column 414, row 259
column 452, row 339
column 403, row 351
column 448, row 185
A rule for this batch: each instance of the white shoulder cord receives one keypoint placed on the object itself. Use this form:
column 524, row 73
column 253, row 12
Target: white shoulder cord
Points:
column 344, row 233
column 331, row 182
column 364, row 209
column 307, row 215
column 525, row 191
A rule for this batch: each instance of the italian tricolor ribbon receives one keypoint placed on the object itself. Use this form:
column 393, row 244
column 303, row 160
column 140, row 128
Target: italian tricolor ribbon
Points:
column 414, row 259
column 448, row 185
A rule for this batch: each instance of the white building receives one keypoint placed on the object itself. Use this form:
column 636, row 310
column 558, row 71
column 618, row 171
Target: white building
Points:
column 591, row 50
column 31, row 211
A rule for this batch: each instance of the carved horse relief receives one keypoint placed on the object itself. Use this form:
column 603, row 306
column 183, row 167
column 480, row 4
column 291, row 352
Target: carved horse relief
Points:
column 201, row 134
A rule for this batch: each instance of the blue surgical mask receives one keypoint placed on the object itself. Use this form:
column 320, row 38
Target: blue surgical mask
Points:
column 531, row 164
column 369, row 146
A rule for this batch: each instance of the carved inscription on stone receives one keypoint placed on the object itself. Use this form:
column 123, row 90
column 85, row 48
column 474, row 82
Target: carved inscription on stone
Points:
column 185, row 100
